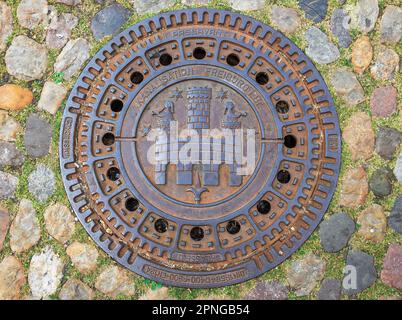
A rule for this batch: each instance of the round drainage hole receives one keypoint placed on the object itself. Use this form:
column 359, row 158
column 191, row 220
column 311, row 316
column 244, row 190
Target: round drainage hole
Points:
column 199, row 53
column 233, row 59
column 283, row 176
column 132, row 204
column 116, row 105
column 137, row 77
column 263, row 207
column 282, row 106
column 290, row 141
column 197, row 234
column 113, row 173
column 108, row 139
column 161, row 225
column 262, row 78
column 165, row 59
column 233, row 227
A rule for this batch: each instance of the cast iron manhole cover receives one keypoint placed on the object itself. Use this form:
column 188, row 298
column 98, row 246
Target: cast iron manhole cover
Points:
column 130, row 130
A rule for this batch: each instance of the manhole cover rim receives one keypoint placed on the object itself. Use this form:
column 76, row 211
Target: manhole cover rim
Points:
column 138, row 263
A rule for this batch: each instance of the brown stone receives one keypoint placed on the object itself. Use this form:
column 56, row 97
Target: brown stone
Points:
column 6, row 24
column 391, row 273
column 25, row 229
column 386, row 65
column 114, row 281
column 373, row 223
column 4, row 223
column 59, row 222
column 13, row 97
column 83, row 256
column 354, row 189
column 359, row 136
column 9, row 127
column 383, row 101
column 12, row 278
column 362, row 54
column 75, row 289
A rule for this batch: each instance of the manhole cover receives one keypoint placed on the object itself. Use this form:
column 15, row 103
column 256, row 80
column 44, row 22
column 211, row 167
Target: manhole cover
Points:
column 200, row 148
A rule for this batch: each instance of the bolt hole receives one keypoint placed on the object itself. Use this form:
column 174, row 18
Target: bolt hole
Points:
column 165, row 59
column 262, row 78
column 233, row 227
column 161, row 225
column 263, row 207
column 282, row 106
column 199, row 53
column 108, row 139
column 290, row 141
column 233, row 59
column 197, row 234
column 137, row 77
column 113, row 173
column 116, row 105
column 283, row 176
column 132, row 204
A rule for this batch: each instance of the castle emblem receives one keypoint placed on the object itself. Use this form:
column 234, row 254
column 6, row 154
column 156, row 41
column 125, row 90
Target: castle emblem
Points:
column 198, row 113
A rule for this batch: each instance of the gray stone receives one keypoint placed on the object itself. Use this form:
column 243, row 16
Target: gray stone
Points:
column 4, row 223
column 45, row 273
column 339, row 23
column 268, row 290
column 8, row 184
column 10, row 155
column 285, row 19
column 52, row 97
column 12, row 278
column 366, row 273
column 330, row 290
column 395, row 218
column 249, row 5
column 398, row 168
column 319, row 48
column 391, row 25
column 365, row 14
column 6, row 25
column 59, row 30
column 336, row 231
column 388, row 139
column 26, row 59
column 32, row 13
column 38, row 136
column 41, row 183
column 151, row 6
column 69, row 2
column 195, row 2
column 75, row 289
column 72, row 57
column 315, row 10
column 304, row 274
column 381, row 182
column 347, row 87
column 59, row 222
column 109, row 20
column 25, row 229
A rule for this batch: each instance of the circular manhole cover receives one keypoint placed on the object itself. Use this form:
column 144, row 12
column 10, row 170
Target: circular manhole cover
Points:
column 200, row 148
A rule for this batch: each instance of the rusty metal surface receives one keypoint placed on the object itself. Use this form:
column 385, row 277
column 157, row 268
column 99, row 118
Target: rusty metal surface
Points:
column 199, row 225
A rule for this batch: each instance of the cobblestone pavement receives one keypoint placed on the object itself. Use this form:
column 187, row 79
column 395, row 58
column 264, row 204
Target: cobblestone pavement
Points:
column 46, row 254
